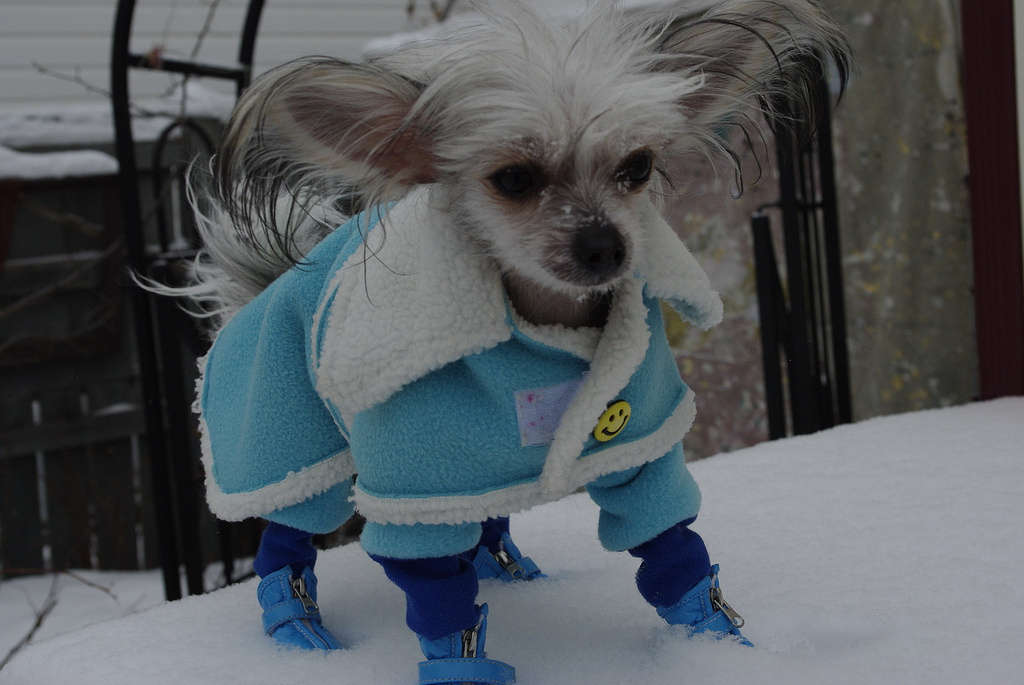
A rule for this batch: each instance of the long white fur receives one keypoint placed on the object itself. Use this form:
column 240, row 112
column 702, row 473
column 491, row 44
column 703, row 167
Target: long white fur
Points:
column 571, row 99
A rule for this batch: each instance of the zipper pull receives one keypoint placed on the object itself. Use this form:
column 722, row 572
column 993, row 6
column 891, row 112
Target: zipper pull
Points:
column 299, row 588
column 508, row 563
column 719, row 604
column 471, row 641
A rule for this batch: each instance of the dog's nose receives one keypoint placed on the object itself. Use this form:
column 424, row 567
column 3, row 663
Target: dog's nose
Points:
column 599, row 249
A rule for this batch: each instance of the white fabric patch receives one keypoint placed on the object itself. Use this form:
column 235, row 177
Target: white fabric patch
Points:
column 540, row 411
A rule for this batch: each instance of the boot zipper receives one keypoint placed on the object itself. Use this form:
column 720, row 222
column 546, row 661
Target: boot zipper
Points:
column 719, row 604
column 299, row 588
column 469, row 642
column 509, row 564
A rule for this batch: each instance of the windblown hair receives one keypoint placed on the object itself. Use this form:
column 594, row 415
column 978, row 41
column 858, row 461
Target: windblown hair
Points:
column 317, row 138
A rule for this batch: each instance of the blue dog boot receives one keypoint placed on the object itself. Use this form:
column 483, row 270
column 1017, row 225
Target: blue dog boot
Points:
column 290, row 613
column 507, row 564
column 703, row 610
column 459, row 658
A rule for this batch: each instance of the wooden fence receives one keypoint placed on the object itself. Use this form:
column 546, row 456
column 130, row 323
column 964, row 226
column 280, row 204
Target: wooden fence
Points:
column 78, row 498
column 76, row 489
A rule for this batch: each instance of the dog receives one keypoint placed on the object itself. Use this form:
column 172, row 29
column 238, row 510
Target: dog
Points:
column 433, row 278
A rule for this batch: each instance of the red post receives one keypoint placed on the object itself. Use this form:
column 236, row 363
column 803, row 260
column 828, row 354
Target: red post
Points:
column 991, row 106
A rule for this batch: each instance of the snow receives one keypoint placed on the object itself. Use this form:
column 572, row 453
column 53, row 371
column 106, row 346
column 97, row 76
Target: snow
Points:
column 75, row 124
column 883, row 552
column 83, row 598
column 50, row 165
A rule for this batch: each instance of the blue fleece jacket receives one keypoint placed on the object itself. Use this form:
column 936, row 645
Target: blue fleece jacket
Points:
column 394, row 353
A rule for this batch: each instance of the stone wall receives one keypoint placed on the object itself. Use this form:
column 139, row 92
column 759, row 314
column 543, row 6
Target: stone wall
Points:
column 905, row 222
column 900, row 147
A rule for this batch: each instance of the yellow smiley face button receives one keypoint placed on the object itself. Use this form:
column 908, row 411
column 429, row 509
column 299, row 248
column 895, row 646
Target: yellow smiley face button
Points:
column 612, row 421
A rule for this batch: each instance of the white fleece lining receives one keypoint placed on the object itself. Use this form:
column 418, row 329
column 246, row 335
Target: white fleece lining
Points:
column 455, row 509
column 673, row 274
column 581, row 342
column 296, row 487
column 620, row 351
column 423, row 280
column 367, row 252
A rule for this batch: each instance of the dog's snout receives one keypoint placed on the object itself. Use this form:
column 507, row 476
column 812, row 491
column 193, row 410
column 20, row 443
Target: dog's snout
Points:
column 599, row 249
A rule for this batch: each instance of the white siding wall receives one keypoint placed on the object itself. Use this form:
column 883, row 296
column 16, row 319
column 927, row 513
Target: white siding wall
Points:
column 74, row 35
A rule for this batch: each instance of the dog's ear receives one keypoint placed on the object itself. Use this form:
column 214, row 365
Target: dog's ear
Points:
column 355, row 118
column 752, row 53
column 319, row 118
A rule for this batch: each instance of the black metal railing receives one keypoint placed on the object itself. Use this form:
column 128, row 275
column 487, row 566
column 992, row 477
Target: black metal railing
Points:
column 164, row 336
column 803, row 319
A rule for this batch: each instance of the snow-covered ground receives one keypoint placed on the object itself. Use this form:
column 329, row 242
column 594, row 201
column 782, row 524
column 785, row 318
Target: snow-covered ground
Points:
column 890, row 551
column 82, row 598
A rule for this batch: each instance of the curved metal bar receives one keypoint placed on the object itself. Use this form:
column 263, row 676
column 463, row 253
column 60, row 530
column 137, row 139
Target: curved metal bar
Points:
column 248, row 45
column 159, row 148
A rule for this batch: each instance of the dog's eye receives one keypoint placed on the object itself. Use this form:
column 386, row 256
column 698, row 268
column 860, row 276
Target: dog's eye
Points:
column 515, row 181
column 636, row 170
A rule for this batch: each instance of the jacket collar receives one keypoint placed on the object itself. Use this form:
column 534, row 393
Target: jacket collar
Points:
column 418, row 298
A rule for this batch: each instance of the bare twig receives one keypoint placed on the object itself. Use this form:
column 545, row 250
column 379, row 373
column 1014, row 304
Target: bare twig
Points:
column 38, row 295
column 200, row 39
column 96, row 322
column 41, row 614
column 92, row 88
column 77, row 78
column 96, row 586
column 205, row 31
column 440, row 11
column 88, row 228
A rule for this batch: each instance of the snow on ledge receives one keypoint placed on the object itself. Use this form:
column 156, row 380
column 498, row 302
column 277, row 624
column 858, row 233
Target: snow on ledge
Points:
column 78, row 124
column 34, row 166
